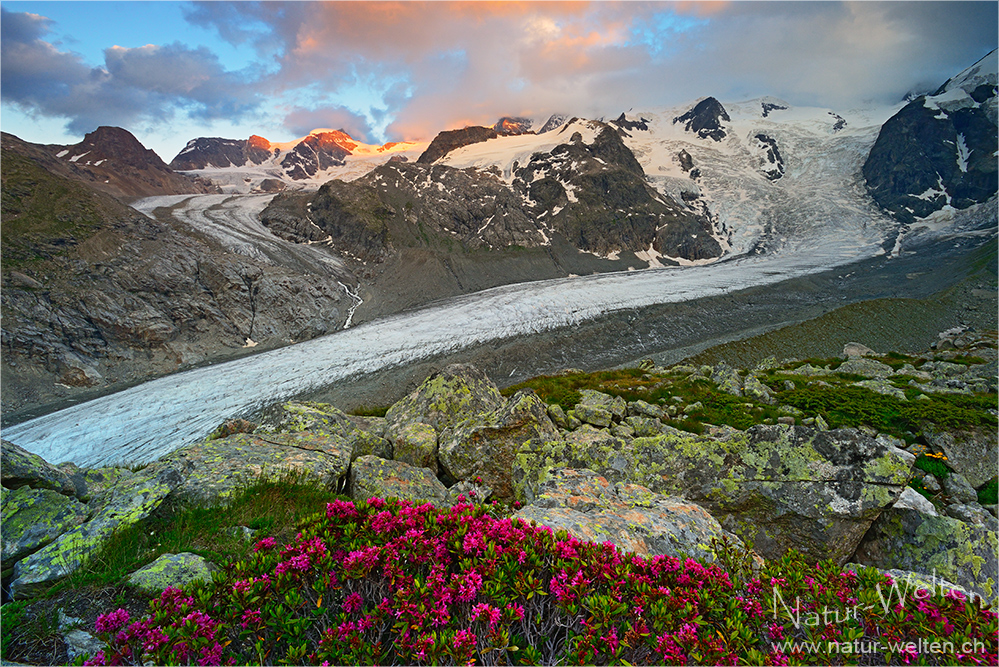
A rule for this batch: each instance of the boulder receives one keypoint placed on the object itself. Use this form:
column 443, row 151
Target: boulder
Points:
column 642, row 408
column 326, row 420
column 33, row 518
column 121, row 506
column 958, row 488
column 558, row 416
column 178, row 570
column 644, row 427
column 486, row 446
column 853, row 350
column 906, row 538
column 631, row 516
column 972, row 453
column 19, row 467
column 727, row 379
column 774, row 485
column 217, row 468
column 472, row 492
column 459, row 392
column 869, row 368
column 372, row 477
column 883, row 387
column 753, row 388
column 599, row 409
column 415, row 444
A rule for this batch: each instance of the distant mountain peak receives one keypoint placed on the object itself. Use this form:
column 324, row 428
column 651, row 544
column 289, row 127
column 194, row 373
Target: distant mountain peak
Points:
column 705, row 119
column 511, row 125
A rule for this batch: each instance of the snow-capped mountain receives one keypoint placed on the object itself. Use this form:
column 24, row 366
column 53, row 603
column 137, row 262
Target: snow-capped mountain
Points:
column 256, row 164
column 939, row 151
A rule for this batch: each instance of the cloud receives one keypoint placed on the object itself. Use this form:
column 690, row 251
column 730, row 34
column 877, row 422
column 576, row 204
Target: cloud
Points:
column 301, row 121
column 150, row 83
column 471, row 62
column 410, row 69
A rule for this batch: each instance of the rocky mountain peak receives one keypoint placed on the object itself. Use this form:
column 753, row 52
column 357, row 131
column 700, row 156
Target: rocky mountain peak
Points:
column 939, row 150
column 625, row 124
column 511, row 126
column 705, row 119
column 554, row 122
column 118, row 144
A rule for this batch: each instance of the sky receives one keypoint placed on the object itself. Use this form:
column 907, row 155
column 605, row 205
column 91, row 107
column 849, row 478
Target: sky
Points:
column 391, row 71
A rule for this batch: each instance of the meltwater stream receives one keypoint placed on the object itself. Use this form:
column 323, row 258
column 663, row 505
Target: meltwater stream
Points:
column 147, row 421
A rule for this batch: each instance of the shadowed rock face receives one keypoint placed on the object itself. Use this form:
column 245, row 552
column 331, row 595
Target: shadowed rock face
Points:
column 447, row 141
column 705, row 119
column 939, row 150
column 916, row 166
column 96, row 293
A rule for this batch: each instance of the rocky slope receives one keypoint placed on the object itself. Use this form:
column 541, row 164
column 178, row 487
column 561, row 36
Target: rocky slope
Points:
column 939, row 150
column 96, row 295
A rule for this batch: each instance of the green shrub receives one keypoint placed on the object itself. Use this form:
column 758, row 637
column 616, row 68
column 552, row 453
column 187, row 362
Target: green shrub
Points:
column 989, row 493
column 933, row 464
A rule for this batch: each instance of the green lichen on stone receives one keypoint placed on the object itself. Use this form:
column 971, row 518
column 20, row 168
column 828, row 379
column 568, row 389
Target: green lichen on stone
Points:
column 33, row 518
column 124, row 505
column 19, row 467
column 178, row 570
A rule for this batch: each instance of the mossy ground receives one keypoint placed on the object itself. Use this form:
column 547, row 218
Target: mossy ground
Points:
column 835, row 398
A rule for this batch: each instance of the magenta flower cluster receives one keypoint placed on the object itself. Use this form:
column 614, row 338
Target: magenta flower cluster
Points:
column 388, row 582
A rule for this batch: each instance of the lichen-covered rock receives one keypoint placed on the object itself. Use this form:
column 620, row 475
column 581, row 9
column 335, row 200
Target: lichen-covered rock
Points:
column 882, row 386
column 958, row 488
column 459, row 392
column 486, row 446
column 216, row 468
column 906, row 538
column 33, row 518
column 558, row 416
column 642, row 408
column 753, row 388
column 372, row 477
column 727, row 379
column 415, row 444
column 178, row 570
column 869, row 368
column 323, row 419
column 634, row 518
column 774, row 485
column 97, row 481
column 972, row 453
column 644, row 427
column 600, row 409
column 470, row 491
column 19, row 467
column 121, row 506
